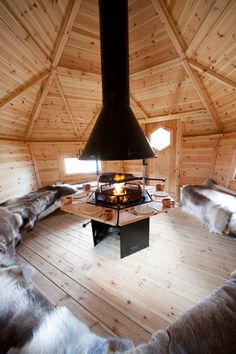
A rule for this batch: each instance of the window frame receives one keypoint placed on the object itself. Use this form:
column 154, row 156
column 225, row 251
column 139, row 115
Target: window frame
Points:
column 234, row 167
column 76, row 173
column 171, row 137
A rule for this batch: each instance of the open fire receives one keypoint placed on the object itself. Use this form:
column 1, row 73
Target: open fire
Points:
column 118, row 191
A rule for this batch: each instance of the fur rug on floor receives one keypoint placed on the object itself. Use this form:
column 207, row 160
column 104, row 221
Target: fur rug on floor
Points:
column 29, row 324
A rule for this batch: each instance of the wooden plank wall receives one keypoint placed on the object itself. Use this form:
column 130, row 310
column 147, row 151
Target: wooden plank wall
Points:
column 48, row 159
column 165, row 165
column 226, row 161
column 17, row 175
column 198, row 158
column 212, row 156
column 22, row 170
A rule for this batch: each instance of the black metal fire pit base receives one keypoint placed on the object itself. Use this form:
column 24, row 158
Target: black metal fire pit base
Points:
column 133, row 237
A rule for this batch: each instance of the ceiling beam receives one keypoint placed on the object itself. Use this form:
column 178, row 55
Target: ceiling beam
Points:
column 172, row 116
column 39, row 104
column 138, row 105
column 212, row 74
column 91, row 123
column 66, row 105
column 179, row 45
column 197, row 83
column 10, row 138
column 21, row 89
column 175, row 96
column 71, row 14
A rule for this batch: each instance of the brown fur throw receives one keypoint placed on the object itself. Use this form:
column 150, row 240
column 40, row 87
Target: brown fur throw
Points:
column 29, row 324
column 208, row 328
column 23, row 212
column 215, row 207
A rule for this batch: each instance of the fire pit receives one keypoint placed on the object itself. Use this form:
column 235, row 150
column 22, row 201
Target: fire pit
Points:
column 117, row 191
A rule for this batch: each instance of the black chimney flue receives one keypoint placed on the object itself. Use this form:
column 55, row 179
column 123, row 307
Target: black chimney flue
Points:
column 117, row 134
column 114, row 51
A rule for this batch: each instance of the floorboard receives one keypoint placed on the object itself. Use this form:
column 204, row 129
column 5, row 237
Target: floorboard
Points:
column 134, row 296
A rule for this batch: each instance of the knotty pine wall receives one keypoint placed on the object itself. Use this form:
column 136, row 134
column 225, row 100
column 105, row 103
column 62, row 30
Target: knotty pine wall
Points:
column 49, row 167
column 198, row 157
column 190, row 160
column 48, row 162
column 166, row 165
column 17, row 176
column 211, row 156
column 225, row 166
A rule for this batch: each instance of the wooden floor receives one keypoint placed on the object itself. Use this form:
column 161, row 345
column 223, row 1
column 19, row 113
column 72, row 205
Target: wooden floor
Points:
column 134, row 296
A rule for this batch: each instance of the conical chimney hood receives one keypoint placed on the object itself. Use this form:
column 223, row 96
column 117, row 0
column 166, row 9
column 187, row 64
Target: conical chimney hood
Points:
column 117, row 134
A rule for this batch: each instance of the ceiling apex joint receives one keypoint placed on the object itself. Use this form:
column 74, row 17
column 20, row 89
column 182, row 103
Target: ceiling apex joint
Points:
column 179, row 45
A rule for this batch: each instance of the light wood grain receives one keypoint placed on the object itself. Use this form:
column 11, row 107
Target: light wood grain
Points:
column 17, row 176
column 134, row 296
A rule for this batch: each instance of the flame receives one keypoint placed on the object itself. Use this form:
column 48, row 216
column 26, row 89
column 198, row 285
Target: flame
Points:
column 125, row 199
column 118, row 178
column 119, row 188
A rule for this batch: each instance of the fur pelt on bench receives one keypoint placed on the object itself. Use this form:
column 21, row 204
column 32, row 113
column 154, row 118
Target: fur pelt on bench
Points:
column 23, row 212
column 215, row 207
column 208, row 328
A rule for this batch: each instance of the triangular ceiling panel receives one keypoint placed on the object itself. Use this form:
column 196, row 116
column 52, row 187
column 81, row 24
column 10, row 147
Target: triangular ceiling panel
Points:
column 41, row 20
column 15, row 115
column 198, row 123
column 221, row 57
column 224, row 100
column 82, row 50
column 83, row 94
column 18, row 63
column 53, row 122
column 149, row 42
column 164, row 89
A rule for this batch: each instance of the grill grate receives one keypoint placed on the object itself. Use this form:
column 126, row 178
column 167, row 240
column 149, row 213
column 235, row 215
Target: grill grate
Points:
column 133, row 196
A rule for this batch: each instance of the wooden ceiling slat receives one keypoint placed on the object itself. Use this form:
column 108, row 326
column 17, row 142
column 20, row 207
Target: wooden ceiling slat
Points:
column 207, row 25
column 203, row 70
column 40, row 21
column 7, row 17
column 67, row 106
column 65, row 31
column 157, row 83
column 39, row 104
column 22, row 89
column 180, row 48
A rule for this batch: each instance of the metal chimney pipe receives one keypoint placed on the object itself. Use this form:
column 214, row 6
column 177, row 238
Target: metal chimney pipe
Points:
column 117, row 134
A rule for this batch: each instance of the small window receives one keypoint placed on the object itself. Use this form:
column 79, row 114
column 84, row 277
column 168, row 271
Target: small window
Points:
column 74, row 166
column 160, row 139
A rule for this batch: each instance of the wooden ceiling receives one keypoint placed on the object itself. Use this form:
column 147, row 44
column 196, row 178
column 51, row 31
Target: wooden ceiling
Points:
column 182, row 66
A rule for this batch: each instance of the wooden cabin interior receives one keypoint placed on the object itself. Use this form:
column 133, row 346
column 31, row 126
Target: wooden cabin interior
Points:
column 182, row 61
